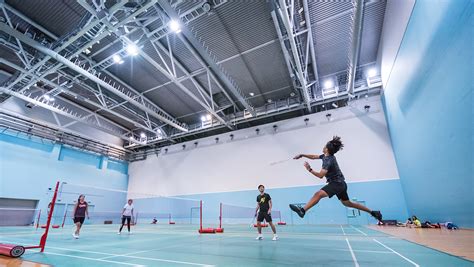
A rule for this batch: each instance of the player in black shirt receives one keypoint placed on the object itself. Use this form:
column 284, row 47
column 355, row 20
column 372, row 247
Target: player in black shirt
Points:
column 81, row 211
column 335, row 179
column 264, row 211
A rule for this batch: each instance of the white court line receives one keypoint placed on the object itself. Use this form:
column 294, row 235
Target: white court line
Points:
column 343, row 230
column 116, row 255
column 407, row 259
column 110, row 255
column 92, row 259
column 171, row 261
column 359, row 230
column 156, row 249
column 356, row 264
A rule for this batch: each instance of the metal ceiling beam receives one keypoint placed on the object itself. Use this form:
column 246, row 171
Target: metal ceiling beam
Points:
column 91, row 26
column 186, row 72
column 80, row 114
column 280, row 14
column 356, row 36
column 158, row 113
column 209, row 108
column 12, row 122
column 262, row 115
column 169, row 75
column 130, row 93
column 89, row 102
column 181, row 86
column 154, row 37
column 286, row 55
column 56, row 108
column 311, row 42
column 228, row 82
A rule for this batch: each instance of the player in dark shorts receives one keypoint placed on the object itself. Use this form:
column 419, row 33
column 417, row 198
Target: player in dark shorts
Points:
column 80, row 213
column 264, row 212
column 335, row 179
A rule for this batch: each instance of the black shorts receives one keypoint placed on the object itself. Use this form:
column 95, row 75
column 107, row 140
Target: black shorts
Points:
column 79, row 220
column 337, row 188
column 264, row 215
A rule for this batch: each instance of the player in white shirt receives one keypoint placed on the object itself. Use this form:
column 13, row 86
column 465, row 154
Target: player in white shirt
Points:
column 127, row 214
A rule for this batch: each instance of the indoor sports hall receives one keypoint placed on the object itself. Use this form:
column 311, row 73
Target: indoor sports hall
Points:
column 236, row 133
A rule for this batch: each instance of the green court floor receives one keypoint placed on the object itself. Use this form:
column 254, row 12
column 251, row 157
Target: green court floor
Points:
column 181, row 245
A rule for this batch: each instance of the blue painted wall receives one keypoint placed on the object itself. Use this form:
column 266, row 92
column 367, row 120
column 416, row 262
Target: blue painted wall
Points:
column 384, row 195
column 29, row 166
column 429, row 108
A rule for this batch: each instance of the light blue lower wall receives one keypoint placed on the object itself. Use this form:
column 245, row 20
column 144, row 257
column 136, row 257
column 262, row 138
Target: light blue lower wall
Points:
column 30, row 166
column 429, row 107
column 384, row 195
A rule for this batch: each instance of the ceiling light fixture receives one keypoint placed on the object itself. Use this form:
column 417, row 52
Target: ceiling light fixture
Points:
column 328, row 84
column 174, row 26
column 132, row 50
column 372, row 72
column 117, row 59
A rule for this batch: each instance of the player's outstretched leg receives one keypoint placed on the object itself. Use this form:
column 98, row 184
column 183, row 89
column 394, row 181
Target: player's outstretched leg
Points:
column 301, row 211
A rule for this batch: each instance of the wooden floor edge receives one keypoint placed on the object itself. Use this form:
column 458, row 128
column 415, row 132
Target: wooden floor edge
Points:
column 434, row 247
column 19, row 262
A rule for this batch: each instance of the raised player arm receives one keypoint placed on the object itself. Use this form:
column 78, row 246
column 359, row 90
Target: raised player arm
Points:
column 308, row 156
column 319, row 174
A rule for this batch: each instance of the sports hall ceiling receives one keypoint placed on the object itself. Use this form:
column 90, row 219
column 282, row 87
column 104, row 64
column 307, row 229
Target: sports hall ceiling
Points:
column 200, row 67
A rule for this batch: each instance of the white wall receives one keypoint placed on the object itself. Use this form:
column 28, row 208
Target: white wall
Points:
column 397, row 15
column 244, row 163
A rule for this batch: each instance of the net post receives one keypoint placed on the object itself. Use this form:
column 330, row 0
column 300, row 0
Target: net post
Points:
column 220, row 216
column 50, row 215
column 200, row 214
column 38, row 219
column 64, row 219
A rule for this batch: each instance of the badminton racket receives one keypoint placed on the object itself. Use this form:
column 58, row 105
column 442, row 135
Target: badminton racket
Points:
column 253, row 220
column 279, row 162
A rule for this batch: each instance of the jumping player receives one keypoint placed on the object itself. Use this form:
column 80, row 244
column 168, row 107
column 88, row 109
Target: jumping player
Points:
column 80, row 213
column 264, row 211
column 127, row 214
column 335, row 179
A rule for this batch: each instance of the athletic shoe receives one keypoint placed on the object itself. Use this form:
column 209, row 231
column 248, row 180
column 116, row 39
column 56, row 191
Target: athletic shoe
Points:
column 259, row 237
column 299, row 210
column 275, row 237
column 377, row 215
column 119, row 233
column 129, row 233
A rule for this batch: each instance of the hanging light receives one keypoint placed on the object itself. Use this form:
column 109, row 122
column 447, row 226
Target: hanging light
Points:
column 372, row 72
column 328, row 84
column 117, row 59
column 174, row 26
column 132, row 50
